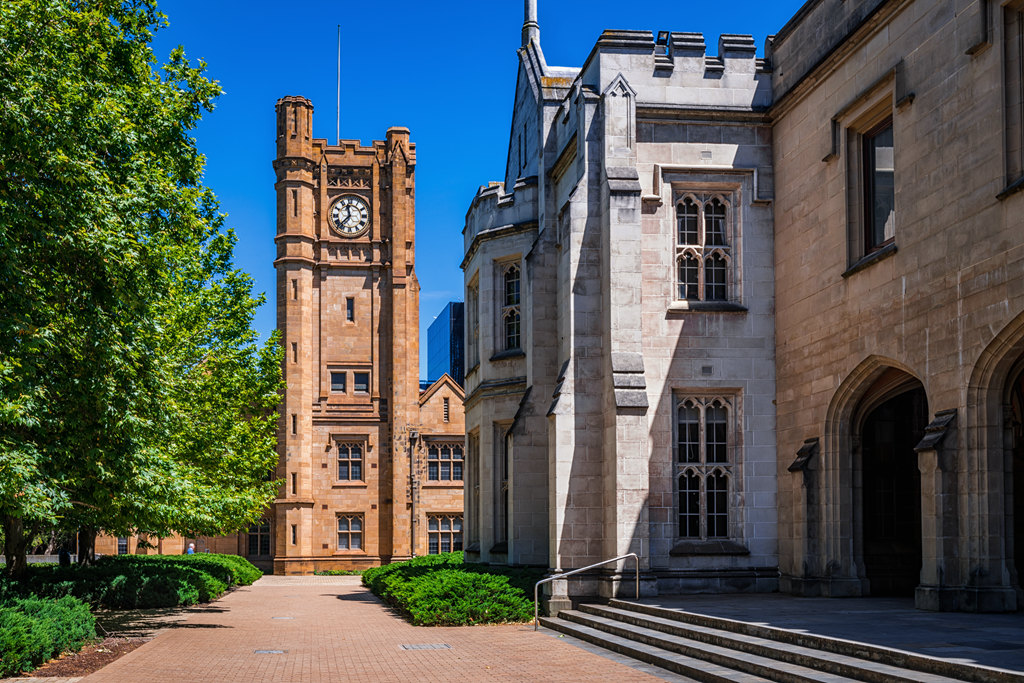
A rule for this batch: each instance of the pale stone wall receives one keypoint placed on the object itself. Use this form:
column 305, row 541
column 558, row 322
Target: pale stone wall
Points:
column 932, row 309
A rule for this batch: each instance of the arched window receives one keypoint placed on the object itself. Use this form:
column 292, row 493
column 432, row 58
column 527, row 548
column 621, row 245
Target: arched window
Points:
column 702, row 248
column 689, row 277
column 510, row 320
column 688, row 218
column 714, row 223
column 714, row 277
column 704, row 464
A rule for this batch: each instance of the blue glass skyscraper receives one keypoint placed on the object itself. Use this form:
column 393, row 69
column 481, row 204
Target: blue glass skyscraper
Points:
column 445, row 343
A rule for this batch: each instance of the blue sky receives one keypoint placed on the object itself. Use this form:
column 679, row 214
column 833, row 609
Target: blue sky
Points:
column 445, row 70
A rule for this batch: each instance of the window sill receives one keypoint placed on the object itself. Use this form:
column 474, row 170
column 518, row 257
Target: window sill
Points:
column 508, row 355
column 872, row 258
column 443, row 484
column 1011, row 189
column 500, row 548
column 473, row 547
column 706, row 307
column 712, row 547
column 350, row 553
column 349, row 485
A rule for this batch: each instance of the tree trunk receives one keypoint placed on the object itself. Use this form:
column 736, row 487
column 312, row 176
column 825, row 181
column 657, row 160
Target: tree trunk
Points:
column 16, row 540
column 87, row 545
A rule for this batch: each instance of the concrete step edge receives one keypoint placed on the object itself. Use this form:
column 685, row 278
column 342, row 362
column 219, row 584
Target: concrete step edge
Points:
column 961, row 671
column 679, row 664
column 812, row 658
column 775, row 670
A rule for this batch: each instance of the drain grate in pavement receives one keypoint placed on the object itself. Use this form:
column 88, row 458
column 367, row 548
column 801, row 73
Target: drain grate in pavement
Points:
column 427, row 646
column 269, row 652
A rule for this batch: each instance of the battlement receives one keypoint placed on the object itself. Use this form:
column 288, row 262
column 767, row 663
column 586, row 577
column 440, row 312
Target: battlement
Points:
column 671, row 50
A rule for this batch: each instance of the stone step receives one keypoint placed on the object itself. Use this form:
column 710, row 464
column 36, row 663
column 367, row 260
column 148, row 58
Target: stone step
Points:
column 696, row 669
column 955, row 670
column 851, row 667
column 726, row 657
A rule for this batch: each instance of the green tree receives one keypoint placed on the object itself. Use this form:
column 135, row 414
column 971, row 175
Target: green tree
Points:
column 133, row 393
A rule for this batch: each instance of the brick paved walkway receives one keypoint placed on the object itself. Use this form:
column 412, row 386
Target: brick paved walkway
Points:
column 332, row 629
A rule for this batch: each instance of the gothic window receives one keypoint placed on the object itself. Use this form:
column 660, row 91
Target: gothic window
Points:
column 259, row 539
column 444, row 462
column 510, row 319
column 704, row 466
column 350, row 461
column 122, row 545
column 702, row 248
column 350, row 532
column 444, row 534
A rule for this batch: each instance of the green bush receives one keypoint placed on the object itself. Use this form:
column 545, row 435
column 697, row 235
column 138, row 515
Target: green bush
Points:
column 138, row 581
column 439, row 590
column 230, row 570
column 34, row 630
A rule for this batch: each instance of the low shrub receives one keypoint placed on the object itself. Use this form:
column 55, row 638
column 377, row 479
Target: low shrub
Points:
column 34, row 630
column 139, row 581
column 439, row 590
column 338, row 572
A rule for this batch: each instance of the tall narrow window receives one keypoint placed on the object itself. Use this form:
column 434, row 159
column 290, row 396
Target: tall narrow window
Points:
column 473, row 325
column 295, row 289
column 447, row 415
column 501, row 483
column 350, row 309
column 295, row 423
column 350, row 532
column 295, row 352
column 510, row 319
column 702, row 248
column 704, row 465
column 472, row 489
column 122, row 545
column 1013, row 56
column 295, row 533
column 879, row 187
column 350, row 461
column 295, row 202
column 295, row 483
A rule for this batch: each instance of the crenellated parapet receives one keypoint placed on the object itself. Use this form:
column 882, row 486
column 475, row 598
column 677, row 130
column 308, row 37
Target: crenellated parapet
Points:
column 495, row 212
column 670, row 50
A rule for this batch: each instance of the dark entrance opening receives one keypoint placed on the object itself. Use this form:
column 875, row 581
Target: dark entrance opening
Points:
column 1015, row 483
column 891, row 494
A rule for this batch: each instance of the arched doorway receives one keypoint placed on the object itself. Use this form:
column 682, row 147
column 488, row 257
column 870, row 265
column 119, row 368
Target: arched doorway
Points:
column 895, row 414
column 1014, row 469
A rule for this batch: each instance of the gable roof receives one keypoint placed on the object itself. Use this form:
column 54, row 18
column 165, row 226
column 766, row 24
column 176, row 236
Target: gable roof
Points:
column 445, row 380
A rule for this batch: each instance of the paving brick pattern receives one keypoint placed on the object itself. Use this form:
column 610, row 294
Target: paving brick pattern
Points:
column 338, row 631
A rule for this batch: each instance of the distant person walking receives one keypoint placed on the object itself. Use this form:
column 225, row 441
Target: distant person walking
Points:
column 191, row 549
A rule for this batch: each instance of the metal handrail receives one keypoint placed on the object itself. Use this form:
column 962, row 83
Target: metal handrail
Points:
column 536, row 615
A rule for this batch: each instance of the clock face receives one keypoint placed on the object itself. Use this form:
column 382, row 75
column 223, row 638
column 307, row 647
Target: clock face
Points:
column 350, row 215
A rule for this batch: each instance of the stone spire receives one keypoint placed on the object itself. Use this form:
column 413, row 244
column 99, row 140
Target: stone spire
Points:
column 531, row 29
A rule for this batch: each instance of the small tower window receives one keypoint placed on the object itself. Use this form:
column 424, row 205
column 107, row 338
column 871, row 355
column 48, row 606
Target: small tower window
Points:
column 446, row 413
column 350, row 309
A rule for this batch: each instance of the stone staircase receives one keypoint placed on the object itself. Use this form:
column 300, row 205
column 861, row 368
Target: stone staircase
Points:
column 707, row 648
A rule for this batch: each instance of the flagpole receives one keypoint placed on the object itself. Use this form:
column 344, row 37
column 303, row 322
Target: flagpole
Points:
column 339, row 85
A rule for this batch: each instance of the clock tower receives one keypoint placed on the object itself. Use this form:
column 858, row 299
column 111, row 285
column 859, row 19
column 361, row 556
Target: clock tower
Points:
column 348, row 313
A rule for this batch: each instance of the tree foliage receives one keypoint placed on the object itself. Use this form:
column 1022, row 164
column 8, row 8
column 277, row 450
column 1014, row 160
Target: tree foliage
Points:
column 134, row 394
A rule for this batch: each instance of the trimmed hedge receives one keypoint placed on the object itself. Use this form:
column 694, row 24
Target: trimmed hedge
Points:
column 34, row 630
column 140, row 581
column 440, row 590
